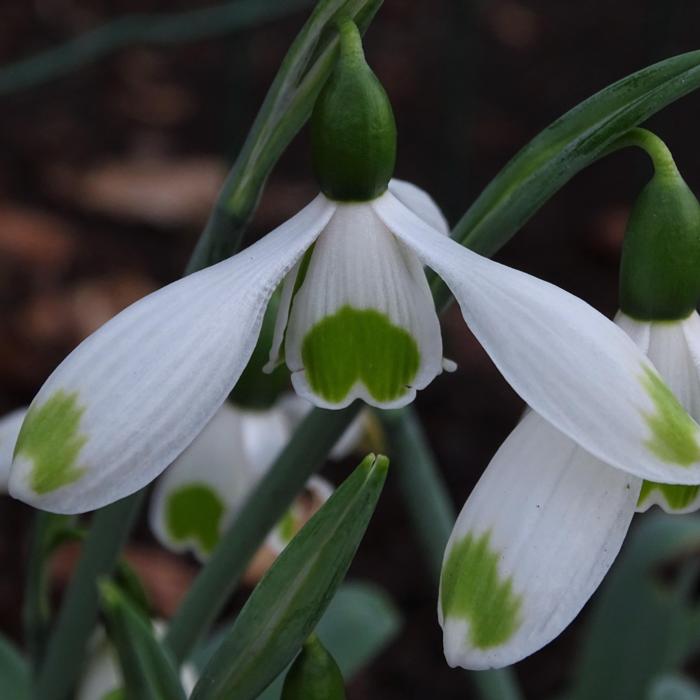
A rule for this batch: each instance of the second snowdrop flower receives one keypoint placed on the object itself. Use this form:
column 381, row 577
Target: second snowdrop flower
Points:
column 356, row 320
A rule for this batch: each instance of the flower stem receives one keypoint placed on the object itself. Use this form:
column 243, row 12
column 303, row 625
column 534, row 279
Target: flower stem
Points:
column 432, row 515
column 654, row 147
column 76, row 619
column 302, row 456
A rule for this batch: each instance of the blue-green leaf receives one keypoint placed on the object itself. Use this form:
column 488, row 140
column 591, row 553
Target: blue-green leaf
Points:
column 14, row 673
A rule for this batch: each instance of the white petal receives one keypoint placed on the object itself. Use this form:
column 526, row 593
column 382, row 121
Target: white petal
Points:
column 134, row 394
column 420, row 203
column 215, row 475
column 531, row 545
column 571, row 364
column 9, row 430
column 674, row 349
column 358, row 268
column 282, row 318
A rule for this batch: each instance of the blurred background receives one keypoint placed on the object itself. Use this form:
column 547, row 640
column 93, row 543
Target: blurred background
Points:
column 107, row 175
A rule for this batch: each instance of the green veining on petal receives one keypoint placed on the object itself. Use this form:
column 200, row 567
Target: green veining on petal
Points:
column 676, row 496
column 673, row 431
column 287, row 526
column 472, row 589
column 193, row 513
column 50, row 438
column 359, row 345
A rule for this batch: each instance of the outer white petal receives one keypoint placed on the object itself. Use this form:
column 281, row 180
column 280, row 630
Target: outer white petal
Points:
column 145, row 384
column 420, row 203
column 553, row 518
column 674, row 349
column 571, row 364
column 357, row 262
column 9, row 430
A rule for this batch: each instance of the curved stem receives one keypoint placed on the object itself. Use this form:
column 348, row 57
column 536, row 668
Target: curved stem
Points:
column 654, row 147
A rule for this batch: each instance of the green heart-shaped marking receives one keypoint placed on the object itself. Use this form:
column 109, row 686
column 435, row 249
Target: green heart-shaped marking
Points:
column 359, row 345
column 193, row 514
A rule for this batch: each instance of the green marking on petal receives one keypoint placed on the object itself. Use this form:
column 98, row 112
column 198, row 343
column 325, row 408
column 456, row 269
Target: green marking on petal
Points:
column 359, row 345
column 51, row 439
column 676, row 496
column 471, row 588
column 193, row 513
column 673, row 431
column 287, row 526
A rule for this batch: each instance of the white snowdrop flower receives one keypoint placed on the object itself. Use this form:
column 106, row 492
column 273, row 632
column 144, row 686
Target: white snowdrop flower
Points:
column 356, row 321
column 548, row 517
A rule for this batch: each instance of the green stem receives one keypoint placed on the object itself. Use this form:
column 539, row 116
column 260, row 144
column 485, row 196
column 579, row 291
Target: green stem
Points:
column 133, row 29
column 76, row 619
column 432, row 515
column 36, row 611
column 654, row 147
column 302, row 456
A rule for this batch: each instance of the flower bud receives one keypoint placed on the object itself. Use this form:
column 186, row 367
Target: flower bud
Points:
column 660, row 269
column 353, row 132
column 314, row 675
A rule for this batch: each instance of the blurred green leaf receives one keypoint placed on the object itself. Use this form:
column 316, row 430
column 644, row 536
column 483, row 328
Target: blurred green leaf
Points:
column 286, row 605
column 148, row 670
column 14, row 673
column 645, row 622
column 673, row 687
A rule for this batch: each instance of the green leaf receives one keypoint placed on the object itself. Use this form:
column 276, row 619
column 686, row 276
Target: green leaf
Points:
column 14, row 673
column 286, row 605
column 359, row 623
column 148, row 670
column 674, row 687
column 645, row 622
column 574, row 141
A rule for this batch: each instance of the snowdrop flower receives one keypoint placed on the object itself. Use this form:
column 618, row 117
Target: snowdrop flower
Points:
column 198, row 496
column 547, row 518
column 102, row 679
column 356, row 321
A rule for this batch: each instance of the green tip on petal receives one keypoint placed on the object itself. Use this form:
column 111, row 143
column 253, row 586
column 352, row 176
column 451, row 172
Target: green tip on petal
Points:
column 50, row 439
column 359, row 345
column 676, row 497
column 193, row 513
column 353, row 133
column 287, row 526
column 673, row 431
column 472, row 589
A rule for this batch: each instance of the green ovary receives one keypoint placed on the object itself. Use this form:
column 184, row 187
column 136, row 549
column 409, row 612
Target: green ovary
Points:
column 193, row 514
column 673, row 432
column 50, row 438
column 359, row 345
column 471, row 589
column 676, row 496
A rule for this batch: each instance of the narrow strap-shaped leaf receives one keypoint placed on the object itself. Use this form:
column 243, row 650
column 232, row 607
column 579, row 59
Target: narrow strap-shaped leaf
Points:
column 148, row 670
column 286, row 605
column 14, row 673
column 564, row 148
